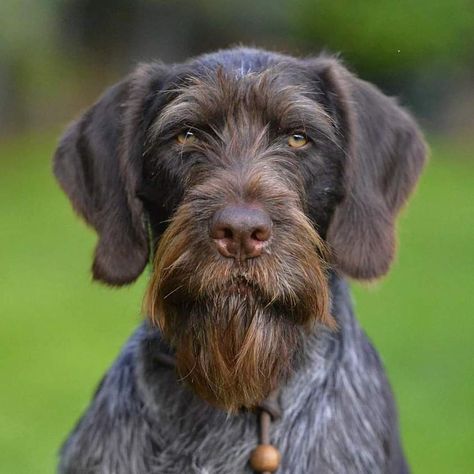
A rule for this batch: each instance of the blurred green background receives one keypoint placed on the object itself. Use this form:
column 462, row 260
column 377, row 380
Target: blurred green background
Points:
column 59, row 332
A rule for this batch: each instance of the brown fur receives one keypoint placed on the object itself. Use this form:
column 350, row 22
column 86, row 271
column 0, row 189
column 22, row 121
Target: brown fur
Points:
column 235, row 329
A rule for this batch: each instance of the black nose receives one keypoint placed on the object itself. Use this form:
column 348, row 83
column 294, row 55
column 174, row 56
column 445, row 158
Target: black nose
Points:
column 241, row 231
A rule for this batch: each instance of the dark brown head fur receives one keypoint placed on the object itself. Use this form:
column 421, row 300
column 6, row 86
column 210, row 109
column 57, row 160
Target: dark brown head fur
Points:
column 236, row 324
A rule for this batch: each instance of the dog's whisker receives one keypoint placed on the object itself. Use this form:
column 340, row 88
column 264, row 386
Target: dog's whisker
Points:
column 172, row 291
column 188, row 374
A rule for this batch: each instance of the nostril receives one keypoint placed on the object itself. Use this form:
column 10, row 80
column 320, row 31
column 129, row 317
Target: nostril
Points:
column 222, row 232
column 261, row 234
column 228, row 233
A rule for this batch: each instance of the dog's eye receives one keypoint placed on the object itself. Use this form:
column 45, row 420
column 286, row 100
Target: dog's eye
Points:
column 297, row 140
column 186, row 137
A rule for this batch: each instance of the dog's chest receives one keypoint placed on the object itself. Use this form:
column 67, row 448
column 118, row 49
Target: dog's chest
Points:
column 328, row 425
column 338, row 416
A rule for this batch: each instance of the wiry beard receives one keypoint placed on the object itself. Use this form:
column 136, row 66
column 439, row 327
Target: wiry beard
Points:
column 231, row 350
column 235, row 330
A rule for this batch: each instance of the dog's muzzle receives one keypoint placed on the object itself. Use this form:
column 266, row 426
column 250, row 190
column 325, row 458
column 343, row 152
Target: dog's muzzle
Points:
column 241, row 231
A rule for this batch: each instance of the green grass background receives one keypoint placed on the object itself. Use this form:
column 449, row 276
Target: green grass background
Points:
column 59, row 332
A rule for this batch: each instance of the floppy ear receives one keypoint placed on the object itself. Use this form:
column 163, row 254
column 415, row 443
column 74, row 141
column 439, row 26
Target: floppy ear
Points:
column 385, row 156
column 98, row 164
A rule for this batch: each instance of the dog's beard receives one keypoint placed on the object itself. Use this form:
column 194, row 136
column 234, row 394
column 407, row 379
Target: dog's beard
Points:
column 236, row 330
column 231, row 350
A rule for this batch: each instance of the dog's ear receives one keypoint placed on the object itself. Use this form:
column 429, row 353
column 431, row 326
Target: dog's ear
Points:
column 385, row 154
column 98, row 164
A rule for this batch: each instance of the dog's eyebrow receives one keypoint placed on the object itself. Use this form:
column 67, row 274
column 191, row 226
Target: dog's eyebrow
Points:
column 200, row 101
column 177, row 115
column 187, row 110
column 301, row 112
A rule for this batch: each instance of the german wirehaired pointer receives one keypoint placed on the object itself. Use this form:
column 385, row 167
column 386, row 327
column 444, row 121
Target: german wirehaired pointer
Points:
column 256, row 182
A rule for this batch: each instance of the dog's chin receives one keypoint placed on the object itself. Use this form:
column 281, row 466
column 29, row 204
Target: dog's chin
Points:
column 231, row 348
column 239, row 289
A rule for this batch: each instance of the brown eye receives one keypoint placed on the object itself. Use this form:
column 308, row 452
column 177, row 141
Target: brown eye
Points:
column 297, row 140
column 186, row 137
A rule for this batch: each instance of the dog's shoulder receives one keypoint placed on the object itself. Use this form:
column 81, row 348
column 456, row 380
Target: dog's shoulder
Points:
column 111, row 419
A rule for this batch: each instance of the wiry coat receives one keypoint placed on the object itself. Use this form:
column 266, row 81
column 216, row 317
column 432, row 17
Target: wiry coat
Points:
column 338, row 414
column 239, row 328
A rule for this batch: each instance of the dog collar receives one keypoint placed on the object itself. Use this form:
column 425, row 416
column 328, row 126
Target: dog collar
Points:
column 265, row 458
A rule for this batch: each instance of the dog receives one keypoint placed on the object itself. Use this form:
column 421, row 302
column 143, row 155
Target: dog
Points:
column 255, row 183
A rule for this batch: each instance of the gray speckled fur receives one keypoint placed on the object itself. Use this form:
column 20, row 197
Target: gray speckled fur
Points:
column 338, row 414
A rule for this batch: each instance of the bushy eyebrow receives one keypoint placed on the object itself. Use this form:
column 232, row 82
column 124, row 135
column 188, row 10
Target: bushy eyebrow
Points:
column 179, row 114
column 301, row 112
column 202, row 101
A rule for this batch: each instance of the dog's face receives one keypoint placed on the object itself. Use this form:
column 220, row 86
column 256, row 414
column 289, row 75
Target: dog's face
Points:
column 256, row 173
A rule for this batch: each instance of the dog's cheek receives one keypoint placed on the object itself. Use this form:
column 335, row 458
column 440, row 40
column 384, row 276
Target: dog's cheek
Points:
column 162, row 191
column 323, row 188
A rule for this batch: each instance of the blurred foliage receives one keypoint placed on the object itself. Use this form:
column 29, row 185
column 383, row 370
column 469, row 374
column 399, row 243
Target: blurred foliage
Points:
column 386, row 36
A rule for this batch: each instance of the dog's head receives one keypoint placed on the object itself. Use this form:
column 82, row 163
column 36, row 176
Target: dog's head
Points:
column 247, row 175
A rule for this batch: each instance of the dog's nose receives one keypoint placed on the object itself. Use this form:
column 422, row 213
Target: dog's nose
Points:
column 241, row 231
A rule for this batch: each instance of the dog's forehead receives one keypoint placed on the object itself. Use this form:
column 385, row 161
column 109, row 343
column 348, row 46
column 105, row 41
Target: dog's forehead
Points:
column 221, row 89
column 278, row 91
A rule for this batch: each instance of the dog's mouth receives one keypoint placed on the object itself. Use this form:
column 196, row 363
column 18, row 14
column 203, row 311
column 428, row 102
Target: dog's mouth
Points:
column 241, row 288
column 271, row 282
